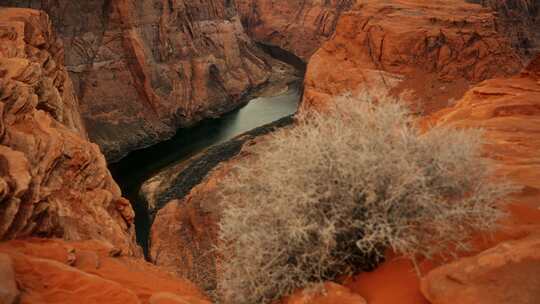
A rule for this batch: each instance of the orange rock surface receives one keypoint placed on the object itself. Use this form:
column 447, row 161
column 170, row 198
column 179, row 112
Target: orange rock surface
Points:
column 53, row 182
column 507, row 273
column 331, row 293
column 184, row 233
column 509, row 111
column 429, row 52
column 54, row 271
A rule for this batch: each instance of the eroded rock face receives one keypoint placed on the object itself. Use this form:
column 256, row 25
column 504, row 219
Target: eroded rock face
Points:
column 183, row 238
column 53, row 182
column 54, row 271
column 142, row 68
column 520, row 20
column 427, row 51
column 431, row 50
column 298, row 26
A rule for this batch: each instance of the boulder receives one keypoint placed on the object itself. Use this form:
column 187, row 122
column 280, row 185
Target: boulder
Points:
column 507, row 273
column 56, row 271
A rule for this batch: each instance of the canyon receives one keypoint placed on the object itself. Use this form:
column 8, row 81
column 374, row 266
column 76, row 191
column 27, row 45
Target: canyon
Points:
column 84, row 83
column 142, row 69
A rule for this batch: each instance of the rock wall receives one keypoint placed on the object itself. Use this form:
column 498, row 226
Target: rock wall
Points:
column 297, row 26
column 507, row 273
column 520, row 20
column 429, row 52
column 53, row 182
column 143, row 68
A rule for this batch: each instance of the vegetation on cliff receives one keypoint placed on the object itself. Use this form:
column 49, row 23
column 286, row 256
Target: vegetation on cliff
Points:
column 329, row 196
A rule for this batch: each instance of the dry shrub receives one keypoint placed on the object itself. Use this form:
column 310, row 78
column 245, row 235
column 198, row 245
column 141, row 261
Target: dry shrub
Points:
column 328, row 196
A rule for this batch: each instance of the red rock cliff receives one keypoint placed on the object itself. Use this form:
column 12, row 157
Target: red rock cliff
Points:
column 53, row 182
column 298, row 26
column 520, row 20
column 142, row 68
column 428, row 51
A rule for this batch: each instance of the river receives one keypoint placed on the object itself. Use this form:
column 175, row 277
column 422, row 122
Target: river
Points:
column 140, row 165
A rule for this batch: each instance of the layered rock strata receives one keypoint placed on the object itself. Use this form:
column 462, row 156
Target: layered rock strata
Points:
column 53, row 182
column 298, row 26
column 429, row 52
column 509, row 111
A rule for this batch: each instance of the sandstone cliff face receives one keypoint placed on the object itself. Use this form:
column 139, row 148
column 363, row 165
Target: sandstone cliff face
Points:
column 298, row 26
column 428, row 51
column 54, row 271
column 520, row 20
column 142, row 68
column 53, row 182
